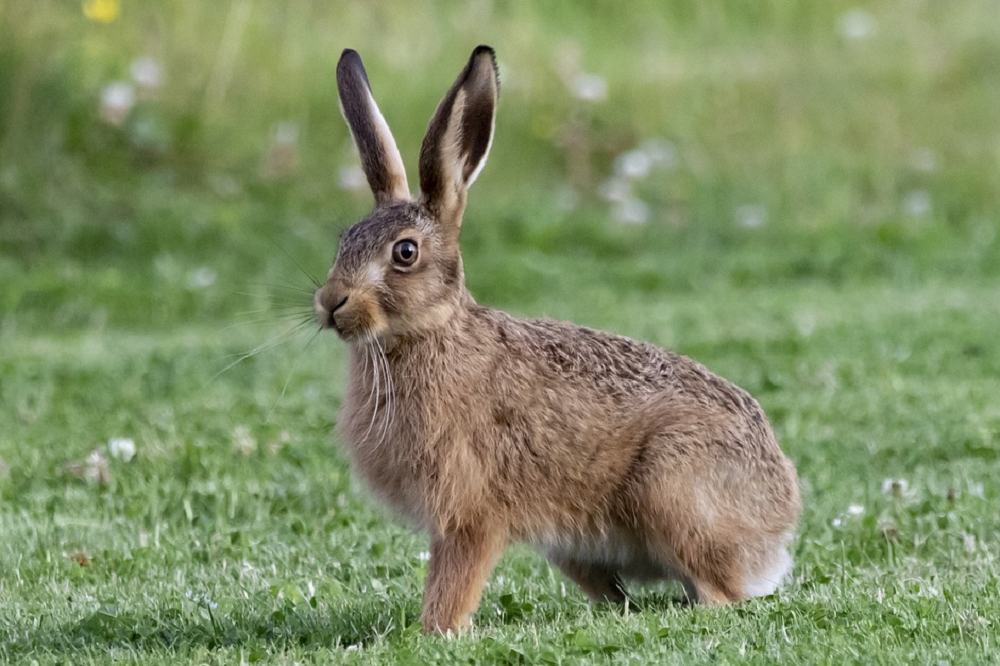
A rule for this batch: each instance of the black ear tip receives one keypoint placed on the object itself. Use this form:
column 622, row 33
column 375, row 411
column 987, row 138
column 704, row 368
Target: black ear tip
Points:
column 350, row 68
column 349, row 53
column 349, row 58
column 484, row 49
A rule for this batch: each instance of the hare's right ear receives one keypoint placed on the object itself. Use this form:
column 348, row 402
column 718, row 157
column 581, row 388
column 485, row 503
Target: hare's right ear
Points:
column 380, row 158
column 459, row 138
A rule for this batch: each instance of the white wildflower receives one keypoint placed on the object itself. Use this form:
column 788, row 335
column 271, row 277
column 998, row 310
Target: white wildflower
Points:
column 286, row 134
column 589, row 87
column 147, row 75
column 117, row 100
column 282, row 157
column 243, row 441
column 352, row 178
column 121, row 448
column 917, row 203
column 928, row 591
column 93, row 468
column 631, row 211
column 858, row 24
column 855, row 510
column 751, row 216
column 634, row 164
column 200, row 599
column 200, row 278
column 97, row 467
column 805, row 322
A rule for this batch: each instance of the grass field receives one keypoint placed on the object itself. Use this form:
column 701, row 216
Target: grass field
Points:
column 818, row 223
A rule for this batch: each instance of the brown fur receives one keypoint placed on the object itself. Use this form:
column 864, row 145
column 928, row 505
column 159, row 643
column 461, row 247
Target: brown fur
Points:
column 617, row 458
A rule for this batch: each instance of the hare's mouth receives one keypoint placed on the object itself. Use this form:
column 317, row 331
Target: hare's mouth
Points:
column 326, row 304
column 329, row 319
column 352, row 316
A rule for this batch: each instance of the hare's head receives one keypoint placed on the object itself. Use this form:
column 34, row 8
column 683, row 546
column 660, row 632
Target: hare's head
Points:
column 398, row 272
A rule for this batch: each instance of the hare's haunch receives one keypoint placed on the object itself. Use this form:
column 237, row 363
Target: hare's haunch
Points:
column 620, row 460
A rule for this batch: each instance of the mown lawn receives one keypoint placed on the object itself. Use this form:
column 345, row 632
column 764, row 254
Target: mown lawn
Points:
column 821, row 228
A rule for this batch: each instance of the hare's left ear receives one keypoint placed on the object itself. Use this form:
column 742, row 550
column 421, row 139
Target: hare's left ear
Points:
column 459, row 137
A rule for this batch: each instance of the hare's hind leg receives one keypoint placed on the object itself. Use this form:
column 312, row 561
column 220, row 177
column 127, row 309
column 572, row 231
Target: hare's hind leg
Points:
column 722, row 558
column 760, row 566
column 772, row 566
column 705, row 593
column 598, row 581
column 722, row 550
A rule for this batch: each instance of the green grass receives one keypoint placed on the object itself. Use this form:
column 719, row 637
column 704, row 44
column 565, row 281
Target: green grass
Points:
column 138, row 262
column 202, row 552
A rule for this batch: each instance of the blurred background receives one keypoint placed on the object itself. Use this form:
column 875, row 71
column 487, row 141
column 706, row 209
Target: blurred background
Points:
column 805, row 196
column 172, row 161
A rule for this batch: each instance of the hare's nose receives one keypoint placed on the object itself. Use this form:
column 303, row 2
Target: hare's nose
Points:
column 333, row 311
column 327, row 302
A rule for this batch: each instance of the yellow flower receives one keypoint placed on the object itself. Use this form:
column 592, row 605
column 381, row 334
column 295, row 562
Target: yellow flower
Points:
column 104, row 11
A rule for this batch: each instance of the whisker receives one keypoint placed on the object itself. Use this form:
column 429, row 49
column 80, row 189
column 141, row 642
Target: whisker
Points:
column 297, row 324
column 278, row 317
column 387, row 420
column 283, row 286
column 300, row 307
column 375, row 388
column 291, row 371
column 392, row 391
column 377, row 366
column 295, row 287
column 284, row 289
column 259, row 348
column 295, row 261
column 386, row 404
column 364, row 372
column 285, row 314
column 246, row 317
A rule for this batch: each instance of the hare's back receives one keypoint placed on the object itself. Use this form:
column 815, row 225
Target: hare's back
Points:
column 636, row 382
column 613, row 364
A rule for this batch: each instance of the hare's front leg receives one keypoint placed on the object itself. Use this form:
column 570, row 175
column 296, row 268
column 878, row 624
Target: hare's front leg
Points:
column 460, row 562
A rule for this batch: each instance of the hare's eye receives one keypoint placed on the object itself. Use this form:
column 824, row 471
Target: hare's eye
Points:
column 404, row 252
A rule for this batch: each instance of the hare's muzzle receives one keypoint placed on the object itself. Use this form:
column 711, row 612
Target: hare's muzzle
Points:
column 327, row 301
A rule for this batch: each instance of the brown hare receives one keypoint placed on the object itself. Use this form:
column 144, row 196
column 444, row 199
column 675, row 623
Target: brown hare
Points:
column 619, row 460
